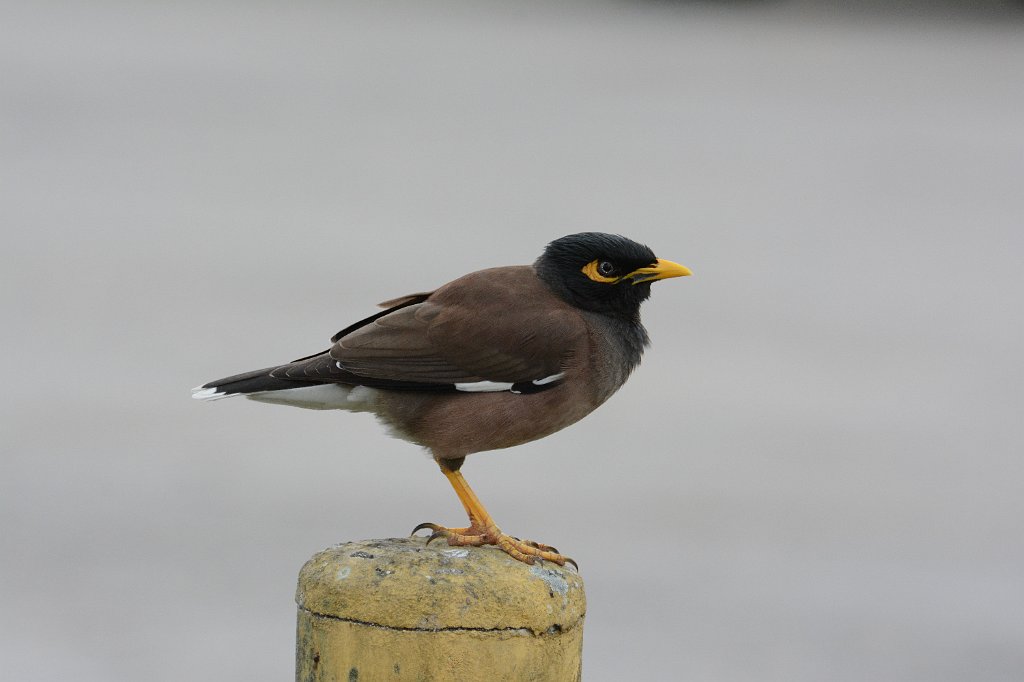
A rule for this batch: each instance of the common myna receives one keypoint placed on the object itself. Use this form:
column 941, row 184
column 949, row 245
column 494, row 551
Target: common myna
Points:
column 496, row 358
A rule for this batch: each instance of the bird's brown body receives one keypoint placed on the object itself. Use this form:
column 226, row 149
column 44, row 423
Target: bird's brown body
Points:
column 593, row 365
column 491, row 360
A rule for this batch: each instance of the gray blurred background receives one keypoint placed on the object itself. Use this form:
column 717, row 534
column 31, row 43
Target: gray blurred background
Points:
column 816, row 474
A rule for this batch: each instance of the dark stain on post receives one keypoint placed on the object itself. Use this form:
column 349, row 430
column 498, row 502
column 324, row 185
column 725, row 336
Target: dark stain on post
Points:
column 353, row 675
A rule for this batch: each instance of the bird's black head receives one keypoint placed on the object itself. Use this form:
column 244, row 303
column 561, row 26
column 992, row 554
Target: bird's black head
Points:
column 603, row 273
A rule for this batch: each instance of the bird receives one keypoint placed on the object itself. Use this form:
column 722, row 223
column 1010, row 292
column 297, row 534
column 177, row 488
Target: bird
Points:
column 496, row 358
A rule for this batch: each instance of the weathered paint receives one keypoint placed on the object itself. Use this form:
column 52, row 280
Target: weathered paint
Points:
column 406, row 611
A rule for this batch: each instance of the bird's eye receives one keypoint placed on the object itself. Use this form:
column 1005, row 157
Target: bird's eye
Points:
column 602, row 271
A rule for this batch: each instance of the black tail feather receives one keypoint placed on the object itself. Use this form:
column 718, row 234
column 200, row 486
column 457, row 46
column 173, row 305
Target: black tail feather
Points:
column 247, row 382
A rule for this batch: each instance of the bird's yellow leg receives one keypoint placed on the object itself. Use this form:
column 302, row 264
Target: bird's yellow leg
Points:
column 482, row 529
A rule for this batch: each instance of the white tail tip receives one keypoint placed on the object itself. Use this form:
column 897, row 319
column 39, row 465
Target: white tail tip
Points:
column 200, row 393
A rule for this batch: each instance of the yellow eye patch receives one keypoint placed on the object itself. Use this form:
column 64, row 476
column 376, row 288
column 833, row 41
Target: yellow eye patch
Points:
column 590, row 270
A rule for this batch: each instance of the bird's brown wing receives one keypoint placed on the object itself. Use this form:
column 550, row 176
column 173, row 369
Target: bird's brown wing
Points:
column 500, row 325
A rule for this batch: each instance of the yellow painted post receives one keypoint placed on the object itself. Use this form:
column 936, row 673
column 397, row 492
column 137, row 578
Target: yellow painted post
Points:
column 400, row 610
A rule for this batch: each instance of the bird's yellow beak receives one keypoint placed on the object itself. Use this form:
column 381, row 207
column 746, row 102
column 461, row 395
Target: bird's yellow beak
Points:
column 662, row 269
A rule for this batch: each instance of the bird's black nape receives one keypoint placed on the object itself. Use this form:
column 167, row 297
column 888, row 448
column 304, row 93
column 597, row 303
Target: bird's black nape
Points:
column 562, row 263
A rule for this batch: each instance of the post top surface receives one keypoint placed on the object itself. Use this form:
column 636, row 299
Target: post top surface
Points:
column 404, row 583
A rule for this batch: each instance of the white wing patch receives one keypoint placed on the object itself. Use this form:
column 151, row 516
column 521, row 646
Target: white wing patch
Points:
column 498, row 386
column 484, row 386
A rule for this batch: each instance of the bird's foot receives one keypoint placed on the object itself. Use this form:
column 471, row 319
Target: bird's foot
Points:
column 526, row 551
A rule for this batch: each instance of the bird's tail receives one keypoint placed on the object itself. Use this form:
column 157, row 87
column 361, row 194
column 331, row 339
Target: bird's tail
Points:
column 322, row 386
column 257, row 381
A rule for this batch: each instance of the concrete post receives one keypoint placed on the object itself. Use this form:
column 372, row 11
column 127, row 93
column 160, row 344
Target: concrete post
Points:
column 400, row 610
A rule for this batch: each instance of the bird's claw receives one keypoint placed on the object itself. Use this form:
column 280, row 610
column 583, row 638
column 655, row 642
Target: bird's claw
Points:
column 527, row 551
column 537, row 545
column 437, row 534
column 431, row 526
column 439, row 531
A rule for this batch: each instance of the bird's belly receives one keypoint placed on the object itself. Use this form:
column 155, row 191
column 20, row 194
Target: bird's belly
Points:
column 459, row 425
